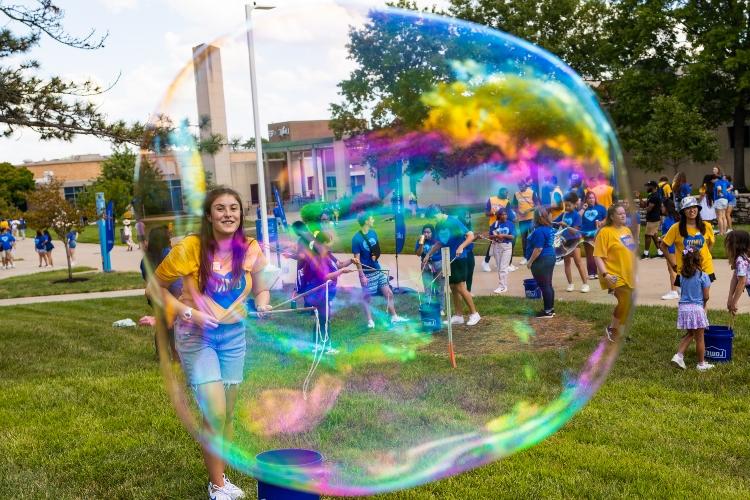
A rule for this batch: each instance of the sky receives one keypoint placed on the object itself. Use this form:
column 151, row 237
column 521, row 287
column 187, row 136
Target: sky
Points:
column 300, row 57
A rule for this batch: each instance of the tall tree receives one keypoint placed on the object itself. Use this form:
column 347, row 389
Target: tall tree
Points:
column 717, row 76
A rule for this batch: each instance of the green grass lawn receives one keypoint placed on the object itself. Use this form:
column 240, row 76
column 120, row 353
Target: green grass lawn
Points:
column 84, row 414
column 32, row 285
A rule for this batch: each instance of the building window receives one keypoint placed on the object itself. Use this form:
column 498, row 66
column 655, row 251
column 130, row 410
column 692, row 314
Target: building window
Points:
column 358, row 183
column 175, row 194
column 331, row 182
column 746, row 138
column 254, row 198
column 310, row 181
column 71, row 194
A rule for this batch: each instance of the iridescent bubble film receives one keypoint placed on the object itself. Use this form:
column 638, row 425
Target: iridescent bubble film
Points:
column 463, row 111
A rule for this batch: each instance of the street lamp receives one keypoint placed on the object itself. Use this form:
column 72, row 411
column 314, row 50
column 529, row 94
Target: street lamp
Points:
column 256, row 119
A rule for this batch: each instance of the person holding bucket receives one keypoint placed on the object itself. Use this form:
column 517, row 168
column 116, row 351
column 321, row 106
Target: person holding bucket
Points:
column 614, row 249
column 540, row 258
column 691, row 310
column 432, row 276
column 737, row 246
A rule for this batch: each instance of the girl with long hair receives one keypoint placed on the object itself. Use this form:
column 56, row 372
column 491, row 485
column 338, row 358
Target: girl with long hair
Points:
column 220, row 268
column 614, row 251
column 691, row 311
column 680, row 188
column 691, row 232
column 737, row 246
column 570, row 218
column 540, row 258
column 592, row 216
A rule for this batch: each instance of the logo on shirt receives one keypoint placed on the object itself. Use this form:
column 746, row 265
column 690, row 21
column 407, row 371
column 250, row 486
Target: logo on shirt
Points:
column 591, row 215
column 696, row 242
column 628, row 241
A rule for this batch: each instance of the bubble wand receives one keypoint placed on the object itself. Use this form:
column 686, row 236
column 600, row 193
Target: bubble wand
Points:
column 446, row 255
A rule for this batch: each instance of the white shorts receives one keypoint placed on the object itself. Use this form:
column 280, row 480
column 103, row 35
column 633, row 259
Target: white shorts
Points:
column 721, row 204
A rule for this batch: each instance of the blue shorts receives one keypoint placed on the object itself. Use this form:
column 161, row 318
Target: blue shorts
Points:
column 212, row 356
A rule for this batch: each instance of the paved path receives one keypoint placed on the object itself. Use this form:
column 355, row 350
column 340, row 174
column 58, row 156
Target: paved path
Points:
column 71, row 297
column 652, row 277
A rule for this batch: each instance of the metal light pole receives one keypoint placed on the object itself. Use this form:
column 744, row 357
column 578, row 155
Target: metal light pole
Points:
column 256, row 119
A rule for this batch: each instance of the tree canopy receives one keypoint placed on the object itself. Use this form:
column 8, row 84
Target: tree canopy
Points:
column 644, row 58
column 15, row 185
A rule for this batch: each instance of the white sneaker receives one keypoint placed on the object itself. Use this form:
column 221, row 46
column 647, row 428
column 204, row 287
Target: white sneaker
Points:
column 457, row 320
column 398, row 319
column 670, row 295
column 570, row 288
column 473, row 319
column 442, row 312
column 678, row 360
column 585, row 288
column 331, row 350
column 370, row 324
column 559, row 262
column 500, row 289
column 523, row 262
column 703, row 367
column 512, row 268
column 218, row 493
column 233, row 489
column 486, row 267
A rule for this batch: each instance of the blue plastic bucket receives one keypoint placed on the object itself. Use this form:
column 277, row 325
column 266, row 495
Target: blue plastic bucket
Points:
column 532, row 289
column 291, row 458
column 430, row 316
column 718, row 341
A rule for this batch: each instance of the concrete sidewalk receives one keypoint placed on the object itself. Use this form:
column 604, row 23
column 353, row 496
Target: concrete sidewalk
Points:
column 652, row 277
column 72, row 297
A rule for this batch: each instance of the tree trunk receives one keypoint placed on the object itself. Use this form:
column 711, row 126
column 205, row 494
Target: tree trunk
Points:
column 739, row 147
column 67, row 256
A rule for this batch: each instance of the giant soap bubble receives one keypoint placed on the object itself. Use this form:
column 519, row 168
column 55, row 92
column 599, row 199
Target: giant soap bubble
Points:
column 458, row 111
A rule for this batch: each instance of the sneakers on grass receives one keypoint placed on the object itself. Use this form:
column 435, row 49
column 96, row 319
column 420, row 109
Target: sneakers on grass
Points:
column 473, row 319
column 457, row 320
column 233, row 489
column 486, row 267
column 370, row 324
column 671, row 295
column 585, row 288
column 679, row 361
column 703, row 367
column 398, row 319
column 227, row 492
column 500, row 289
column 545, row 314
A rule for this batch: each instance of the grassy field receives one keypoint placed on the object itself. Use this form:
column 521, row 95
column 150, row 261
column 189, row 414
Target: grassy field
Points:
column 83, row 414
column 32, row 285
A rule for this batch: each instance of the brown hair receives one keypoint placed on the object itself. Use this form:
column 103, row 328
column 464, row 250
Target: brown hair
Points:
column 737, row 243
column 208, row 242
column 610, row 219
column 541, row 217
column 691, row 263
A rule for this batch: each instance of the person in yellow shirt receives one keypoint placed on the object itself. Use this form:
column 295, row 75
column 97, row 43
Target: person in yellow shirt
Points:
column 493, row 206
column 524, row 202
column 603, row 191
column 614, row 253
column 664, row 188
column 691, row 232
column 219, row 269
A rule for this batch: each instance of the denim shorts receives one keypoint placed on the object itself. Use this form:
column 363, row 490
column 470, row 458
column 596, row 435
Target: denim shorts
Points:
column 216, row 355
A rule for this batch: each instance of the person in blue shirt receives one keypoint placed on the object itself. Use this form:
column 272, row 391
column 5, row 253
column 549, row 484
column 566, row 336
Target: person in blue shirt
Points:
column 670, row 217
column 571, row 219
column 721, row 202
column 592, row 217
column 48, row 246
column 40, row 247
column 452, row 233
column 732, row 202
column 22, row 227
column 540, row 258
column 72, row 238
column 495, row 203
column 366, row 249
column 7, row 242
column 502, row 233
column 465, row 217
column 680, row 188
column 432, row 270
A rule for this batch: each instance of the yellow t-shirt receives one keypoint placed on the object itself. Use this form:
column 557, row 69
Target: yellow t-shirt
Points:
column 617, row 246
column 666, row 188
column 495, row 204
column 227, row 306
column 603, row 194
column 695, row 239
column 525, row 201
